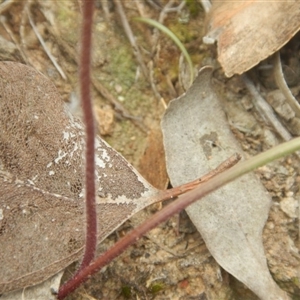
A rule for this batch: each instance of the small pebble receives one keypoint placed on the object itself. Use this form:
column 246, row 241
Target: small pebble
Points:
column 289, row 205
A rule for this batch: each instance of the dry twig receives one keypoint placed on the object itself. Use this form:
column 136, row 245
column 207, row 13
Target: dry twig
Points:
column 22, row 25
column 282, row 85
column 161, row 19
column 265, row 109
column 12, row 36
column 131, row 37
column 41, row 40
column 206, row 5
column 152, row 81
column 6, row 5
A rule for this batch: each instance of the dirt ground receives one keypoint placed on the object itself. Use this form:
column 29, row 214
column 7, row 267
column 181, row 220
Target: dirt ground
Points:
column 171, row 261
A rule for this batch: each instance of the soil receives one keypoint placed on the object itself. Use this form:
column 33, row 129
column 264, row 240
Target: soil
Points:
column 171, row 261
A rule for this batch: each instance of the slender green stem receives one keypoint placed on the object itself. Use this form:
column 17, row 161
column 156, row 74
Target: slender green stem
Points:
column 175, row 39
column 264, row 158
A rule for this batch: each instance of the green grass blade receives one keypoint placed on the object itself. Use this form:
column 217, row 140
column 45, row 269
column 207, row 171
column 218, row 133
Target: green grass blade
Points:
column 175, row 39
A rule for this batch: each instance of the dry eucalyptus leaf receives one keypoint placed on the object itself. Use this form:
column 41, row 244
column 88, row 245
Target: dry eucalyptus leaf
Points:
column 197, row 138
column 41, row 181
column 249, row 31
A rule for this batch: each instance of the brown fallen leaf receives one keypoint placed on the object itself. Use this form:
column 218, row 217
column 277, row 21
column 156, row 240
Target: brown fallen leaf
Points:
column 248, row 31
column 41, row 181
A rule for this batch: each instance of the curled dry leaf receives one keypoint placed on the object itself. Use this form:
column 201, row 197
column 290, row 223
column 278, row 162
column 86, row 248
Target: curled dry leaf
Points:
column 41, row 181
column 249, row 31
column 196, row 139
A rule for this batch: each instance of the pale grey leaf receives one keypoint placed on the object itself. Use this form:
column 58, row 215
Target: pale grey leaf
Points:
column 197, row 139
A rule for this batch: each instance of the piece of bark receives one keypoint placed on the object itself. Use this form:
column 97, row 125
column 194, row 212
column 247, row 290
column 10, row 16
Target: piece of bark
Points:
column 247, row 32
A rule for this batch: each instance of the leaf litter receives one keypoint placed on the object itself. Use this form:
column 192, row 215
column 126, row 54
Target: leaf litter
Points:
column 41, row 181
column 276, row 234
column 41, row 160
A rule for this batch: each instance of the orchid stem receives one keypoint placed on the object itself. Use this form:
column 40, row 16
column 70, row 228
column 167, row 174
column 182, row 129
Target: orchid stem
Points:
column 90, row 200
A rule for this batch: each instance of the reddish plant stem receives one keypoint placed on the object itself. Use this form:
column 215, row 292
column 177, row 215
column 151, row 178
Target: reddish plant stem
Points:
column 85, row 83
column 85, row 94
column 182, row 189
column 175, row 207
